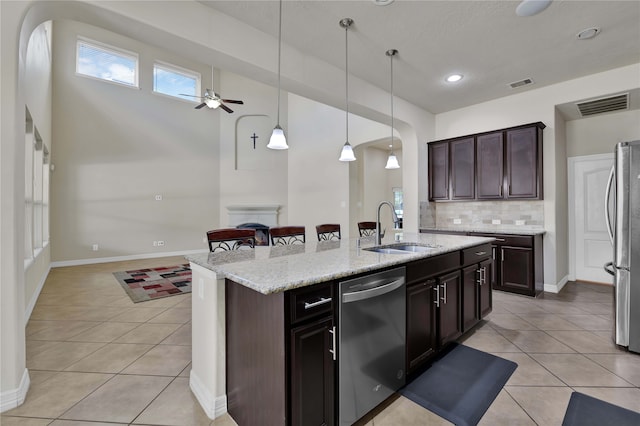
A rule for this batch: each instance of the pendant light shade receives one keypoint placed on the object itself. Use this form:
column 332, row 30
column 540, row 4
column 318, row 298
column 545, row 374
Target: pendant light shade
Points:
column 392, row 161
column 278, row 140
column 347, row 150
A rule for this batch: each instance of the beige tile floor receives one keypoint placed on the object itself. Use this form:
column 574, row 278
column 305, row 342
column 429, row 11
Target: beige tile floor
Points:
column 95, row 358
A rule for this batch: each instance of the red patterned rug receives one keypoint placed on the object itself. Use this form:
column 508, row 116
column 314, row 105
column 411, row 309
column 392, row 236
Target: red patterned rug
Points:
column 153, row 283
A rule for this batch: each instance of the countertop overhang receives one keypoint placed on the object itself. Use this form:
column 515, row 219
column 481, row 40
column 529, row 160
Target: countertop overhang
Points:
column 276, row 269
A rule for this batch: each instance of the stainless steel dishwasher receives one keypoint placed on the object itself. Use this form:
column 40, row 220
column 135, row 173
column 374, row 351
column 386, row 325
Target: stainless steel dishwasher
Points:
column 371, row 335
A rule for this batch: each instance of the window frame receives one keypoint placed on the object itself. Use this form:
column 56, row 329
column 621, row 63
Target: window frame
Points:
column 176, row 69
column 114, row 51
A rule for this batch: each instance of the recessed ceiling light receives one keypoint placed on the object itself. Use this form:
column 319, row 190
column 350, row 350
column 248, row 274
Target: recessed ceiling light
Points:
column 532, row 7
column 454, row 78
column 382, row 2
column 588, row 33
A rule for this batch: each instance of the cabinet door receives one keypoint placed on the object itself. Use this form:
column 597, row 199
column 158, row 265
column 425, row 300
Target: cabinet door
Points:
column 522, row 163
column 449, row 325
column 463, row 175
column 485, row 293
column 490, row 166
column 470, row 297
column 517, row 270
column 421, row 323
column 439, row 171
column 312, row 374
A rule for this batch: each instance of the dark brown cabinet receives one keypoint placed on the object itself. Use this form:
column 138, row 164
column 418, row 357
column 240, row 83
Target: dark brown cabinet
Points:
column 517, row 263
column 439, row 171
column 476, row 285
column 422, row 341
column 501, row 164
column 524, row 163
column 312, row 374
column 280, row 365
column 448, row 292
column 490, row 166
column 463, row 180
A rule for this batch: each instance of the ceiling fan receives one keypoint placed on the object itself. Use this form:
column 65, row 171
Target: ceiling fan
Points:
column 213, row 101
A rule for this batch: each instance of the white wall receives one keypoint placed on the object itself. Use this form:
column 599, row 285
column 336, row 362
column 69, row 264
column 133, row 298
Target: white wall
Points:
column 318, row 187
column 599, row 134
column 117, row 147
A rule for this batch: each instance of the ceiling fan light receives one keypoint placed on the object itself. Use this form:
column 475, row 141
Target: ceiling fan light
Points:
column 278, row 140
column 392, row 162
column 347, row 153
column 212, row 103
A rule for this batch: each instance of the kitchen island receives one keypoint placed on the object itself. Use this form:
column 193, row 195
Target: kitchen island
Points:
column 256, row 325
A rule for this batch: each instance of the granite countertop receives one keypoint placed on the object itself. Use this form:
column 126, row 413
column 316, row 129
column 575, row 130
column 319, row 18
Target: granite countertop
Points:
column 281, row 268
column 497, row 230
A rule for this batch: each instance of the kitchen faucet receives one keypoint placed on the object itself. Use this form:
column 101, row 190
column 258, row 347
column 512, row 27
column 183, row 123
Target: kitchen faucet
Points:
column 395, row 220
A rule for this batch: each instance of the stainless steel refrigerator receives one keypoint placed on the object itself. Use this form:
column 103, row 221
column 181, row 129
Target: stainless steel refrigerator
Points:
column 623, row 222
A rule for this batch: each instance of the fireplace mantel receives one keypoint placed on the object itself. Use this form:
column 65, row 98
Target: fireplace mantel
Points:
column 266, row 214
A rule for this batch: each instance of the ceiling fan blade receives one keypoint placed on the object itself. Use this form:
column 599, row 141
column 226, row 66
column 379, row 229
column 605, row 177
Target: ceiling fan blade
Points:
column 232, row 101
column 201, row 105
column 226, row 108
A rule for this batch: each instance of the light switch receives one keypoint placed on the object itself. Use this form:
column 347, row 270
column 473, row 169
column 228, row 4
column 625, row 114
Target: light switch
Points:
column 496, row 221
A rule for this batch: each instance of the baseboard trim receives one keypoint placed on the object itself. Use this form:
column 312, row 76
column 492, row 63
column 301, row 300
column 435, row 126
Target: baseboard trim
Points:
column 91, row 261
column 13, row 398
column 212, row 406
column 556, row 288
column 34, row 298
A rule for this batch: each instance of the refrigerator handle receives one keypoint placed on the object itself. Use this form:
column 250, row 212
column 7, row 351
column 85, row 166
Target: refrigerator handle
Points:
column 607, row 195
column 608, row 268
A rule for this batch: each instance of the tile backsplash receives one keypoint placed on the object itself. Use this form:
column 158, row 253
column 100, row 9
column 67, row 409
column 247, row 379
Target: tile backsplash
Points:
column 483, row 215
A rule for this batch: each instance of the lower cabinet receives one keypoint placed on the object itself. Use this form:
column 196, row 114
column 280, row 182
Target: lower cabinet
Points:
column 422, row 338
column 449, row 292
column 476, row 290
column 312, row 374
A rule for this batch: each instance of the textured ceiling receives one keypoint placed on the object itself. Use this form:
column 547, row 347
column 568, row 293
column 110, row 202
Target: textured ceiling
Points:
column 483, row 39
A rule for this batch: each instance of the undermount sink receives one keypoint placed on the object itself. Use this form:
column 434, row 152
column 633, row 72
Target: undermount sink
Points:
column 402, row 249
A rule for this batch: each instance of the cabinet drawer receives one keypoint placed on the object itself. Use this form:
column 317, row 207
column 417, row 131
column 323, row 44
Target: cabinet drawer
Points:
column 432, row 266
column 476, row 254
column 308, row 302
column 509, row 240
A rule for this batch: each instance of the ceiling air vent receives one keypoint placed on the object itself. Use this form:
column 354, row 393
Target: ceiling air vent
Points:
column 600, row 106
column 525, row 82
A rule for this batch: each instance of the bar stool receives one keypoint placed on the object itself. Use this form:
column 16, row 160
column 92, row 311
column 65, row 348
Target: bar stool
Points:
column 285, row 235
column 328, row 231
column 231, row 239
column 367, row 229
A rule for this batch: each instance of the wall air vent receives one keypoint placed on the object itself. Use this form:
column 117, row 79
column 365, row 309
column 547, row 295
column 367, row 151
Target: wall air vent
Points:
column 600, row 106
column 525, row 82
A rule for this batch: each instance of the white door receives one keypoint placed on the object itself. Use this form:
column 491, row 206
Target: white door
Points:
column 589, row 245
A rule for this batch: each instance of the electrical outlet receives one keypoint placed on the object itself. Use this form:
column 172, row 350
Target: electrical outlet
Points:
column 496, row 221
column 519, row 222
column 457, row 221
column 155, row 244
column 158, row 197
column 160, row 243
column 94, row 247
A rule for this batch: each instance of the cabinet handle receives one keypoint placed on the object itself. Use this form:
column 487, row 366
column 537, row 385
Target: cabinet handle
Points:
column 437, row 301
column 502, row 240
column 493, row 253
column 481, row 253
column 483, row 275
column 322, row 301
column 444, row 298
column 333, row 342
column 502, row 250
column 479, row 280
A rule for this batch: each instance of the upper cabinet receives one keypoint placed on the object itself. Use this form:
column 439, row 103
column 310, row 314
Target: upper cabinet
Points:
column 501, row 164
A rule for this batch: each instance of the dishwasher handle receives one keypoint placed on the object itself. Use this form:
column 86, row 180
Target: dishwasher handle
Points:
column 384, row 288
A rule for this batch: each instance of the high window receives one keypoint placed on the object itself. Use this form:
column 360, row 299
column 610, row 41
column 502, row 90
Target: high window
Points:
column 105, row 62
column 175, row 81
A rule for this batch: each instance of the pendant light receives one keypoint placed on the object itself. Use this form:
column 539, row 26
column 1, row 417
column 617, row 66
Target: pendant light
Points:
column 347, row 150
column 392, row 161
column 278, row 140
